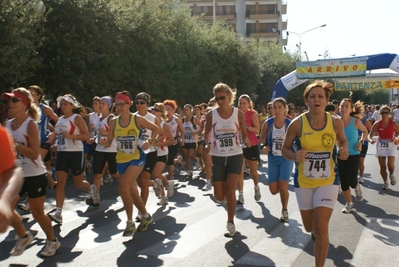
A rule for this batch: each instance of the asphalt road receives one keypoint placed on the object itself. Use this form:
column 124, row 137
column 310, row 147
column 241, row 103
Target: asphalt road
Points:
column 189, row 230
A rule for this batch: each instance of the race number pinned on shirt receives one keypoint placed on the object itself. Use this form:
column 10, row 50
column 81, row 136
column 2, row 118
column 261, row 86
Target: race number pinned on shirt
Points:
column 225, row 142
column 126, row 144
column 317, row 165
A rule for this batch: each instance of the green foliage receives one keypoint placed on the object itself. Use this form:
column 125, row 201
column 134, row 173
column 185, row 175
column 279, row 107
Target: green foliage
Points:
column 99, row 47
column 20, row 37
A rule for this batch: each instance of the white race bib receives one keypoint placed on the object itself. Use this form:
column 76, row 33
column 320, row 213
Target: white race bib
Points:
column 317, row 165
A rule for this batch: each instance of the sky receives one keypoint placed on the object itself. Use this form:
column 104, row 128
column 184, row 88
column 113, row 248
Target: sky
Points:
column 361, row 27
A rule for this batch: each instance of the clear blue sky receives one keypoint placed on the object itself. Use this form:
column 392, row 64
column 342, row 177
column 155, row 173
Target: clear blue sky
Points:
column 361, row 27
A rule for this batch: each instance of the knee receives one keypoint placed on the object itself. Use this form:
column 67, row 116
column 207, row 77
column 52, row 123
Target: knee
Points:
column 274, row 191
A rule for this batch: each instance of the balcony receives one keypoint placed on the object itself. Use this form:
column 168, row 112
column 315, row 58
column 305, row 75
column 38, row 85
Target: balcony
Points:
column 284, row 9
column 261, row 15
column 262, row 34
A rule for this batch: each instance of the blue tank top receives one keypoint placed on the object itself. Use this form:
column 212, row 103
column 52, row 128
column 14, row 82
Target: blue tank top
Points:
column 43, row 125
column 352, row 136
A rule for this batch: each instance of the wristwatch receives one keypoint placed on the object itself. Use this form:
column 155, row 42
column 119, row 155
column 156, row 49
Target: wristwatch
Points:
column 16, row 144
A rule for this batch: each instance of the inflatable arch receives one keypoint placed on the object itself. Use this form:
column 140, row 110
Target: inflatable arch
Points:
column 379, row 61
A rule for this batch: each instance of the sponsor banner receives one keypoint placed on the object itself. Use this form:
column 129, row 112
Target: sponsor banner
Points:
column 331, row 68
column 367, row 85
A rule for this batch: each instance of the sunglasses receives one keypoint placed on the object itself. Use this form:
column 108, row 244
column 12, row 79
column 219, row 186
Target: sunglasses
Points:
column 33, row 93
column 15, row 100
column 223, row 97
column 120, row 104
column 157, row 110
column 140, row 102
column 384, row 113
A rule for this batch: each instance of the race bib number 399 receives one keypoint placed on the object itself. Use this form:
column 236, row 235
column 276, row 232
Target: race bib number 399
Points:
column 317, row 165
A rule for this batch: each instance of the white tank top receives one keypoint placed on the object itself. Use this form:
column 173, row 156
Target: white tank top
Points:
column 103, row 124
column 67, row 125
column 189, row 128
column 174, row 128
column 162, row 150
column 277, row 140
column 225, row 140
column 93, row 121
column 146, row 133
column 30, row 167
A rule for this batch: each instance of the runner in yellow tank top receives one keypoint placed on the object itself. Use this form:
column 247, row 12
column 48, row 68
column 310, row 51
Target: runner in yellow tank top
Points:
column 319, row 168
column 316, row 192
column 127, row 140
column 130, row 162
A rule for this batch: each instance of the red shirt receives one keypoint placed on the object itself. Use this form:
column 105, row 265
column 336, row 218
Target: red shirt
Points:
column 386, row 133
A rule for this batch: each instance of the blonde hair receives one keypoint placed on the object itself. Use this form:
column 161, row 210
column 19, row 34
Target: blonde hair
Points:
column 221, row 87
column 32, row 110
column 161, row 107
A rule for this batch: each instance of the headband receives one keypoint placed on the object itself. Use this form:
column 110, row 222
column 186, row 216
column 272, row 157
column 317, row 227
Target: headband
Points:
column 68, row 99
column 123, row 97
column 143, row 96
column 16, row 94
column 107, row 100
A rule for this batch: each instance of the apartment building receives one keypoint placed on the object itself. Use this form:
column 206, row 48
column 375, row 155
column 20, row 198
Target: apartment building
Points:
column 252, row 19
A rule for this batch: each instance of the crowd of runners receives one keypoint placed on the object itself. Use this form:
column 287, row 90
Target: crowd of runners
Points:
column 326, row 141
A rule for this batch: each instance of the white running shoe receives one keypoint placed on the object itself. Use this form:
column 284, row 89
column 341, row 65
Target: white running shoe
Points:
column 163, row 200
column 361, row 180
column 24, row 205
column 208, row 185
column 257, row 193
column 55, row 215
column 21, row 244
column 284, row 216
column 170, row 188
column 109, row 180
column 347, row 209
column 157, row 187
column 190, row 174
column 240, row 200
column 386, row 186
column 358, row 192
column 231, row 229
column 393, row 179
column 50, row 248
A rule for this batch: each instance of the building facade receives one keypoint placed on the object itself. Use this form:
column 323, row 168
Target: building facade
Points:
column 251, row 19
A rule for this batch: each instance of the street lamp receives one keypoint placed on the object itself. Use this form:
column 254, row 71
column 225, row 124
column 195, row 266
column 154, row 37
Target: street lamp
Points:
column 300, row 35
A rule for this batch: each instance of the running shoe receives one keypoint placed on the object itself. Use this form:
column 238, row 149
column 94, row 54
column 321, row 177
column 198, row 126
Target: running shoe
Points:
column 90, row 202
column 163, row 201
column 284, row 216
column 144, row 223
column 386, row 186
column 21, row 244
column 347, row 209
column 55, row 216
column 130, row 229
column 358, row 192
column 247, row 171
column 231, row 230
column 207, row 186
column 190, row 174
column 102, row 182
column 170, row 188
column 24, row 205
column 240, row 200
column 50, row 248
column 361, row 180
column 393, row 179
column 109, row 180
column 257, row 193
column 157, row 187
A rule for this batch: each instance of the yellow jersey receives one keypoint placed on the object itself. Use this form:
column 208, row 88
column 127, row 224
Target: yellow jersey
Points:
column 320, row 166
column 127, row 140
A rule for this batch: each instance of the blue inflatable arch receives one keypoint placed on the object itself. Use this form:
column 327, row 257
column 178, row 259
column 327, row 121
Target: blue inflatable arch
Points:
column 380, row 61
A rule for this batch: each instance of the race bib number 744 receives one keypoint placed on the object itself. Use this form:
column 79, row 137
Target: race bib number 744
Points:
column 317, row 165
